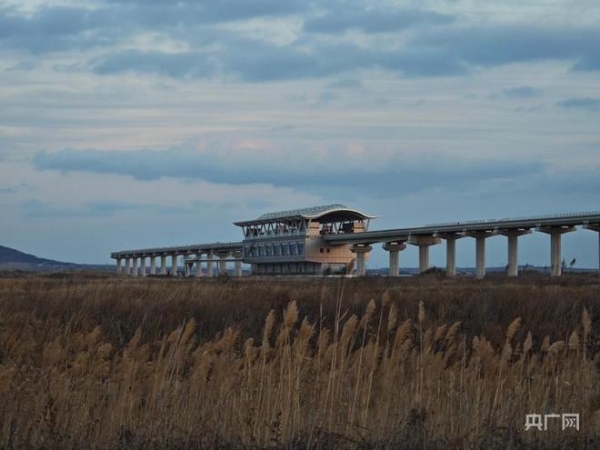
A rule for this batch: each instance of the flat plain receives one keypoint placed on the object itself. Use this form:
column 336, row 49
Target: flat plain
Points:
column 105, row 362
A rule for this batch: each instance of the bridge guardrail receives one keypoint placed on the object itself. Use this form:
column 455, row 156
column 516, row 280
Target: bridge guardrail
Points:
column 514, row 219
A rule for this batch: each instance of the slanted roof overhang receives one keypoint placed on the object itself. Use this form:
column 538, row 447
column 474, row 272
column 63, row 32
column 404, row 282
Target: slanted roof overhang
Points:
column 325, row 214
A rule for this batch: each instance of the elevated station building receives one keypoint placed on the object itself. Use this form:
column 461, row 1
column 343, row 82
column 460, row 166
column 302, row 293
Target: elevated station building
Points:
column 294, row 242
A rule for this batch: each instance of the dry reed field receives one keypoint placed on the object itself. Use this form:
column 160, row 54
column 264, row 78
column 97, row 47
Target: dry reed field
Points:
column 105, row 362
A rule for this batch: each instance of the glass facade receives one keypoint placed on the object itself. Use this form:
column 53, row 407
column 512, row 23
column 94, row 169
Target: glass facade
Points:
column 285, row 248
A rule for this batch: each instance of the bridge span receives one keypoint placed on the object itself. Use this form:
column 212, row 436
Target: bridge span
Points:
column 395, row 240
column 337, row 230
column 196, row 254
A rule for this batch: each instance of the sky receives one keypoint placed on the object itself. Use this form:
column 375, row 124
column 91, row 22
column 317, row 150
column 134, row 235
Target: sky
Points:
column 131, row 124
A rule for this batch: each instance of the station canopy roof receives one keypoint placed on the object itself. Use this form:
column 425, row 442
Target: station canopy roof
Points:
column 326, row 214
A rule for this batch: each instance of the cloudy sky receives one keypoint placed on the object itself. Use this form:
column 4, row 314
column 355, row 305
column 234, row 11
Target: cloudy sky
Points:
column 134, row 123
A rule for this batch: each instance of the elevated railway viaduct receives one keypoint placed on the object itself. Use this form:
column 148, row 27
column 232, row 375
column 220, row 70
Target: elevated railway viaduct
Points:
column 336, row 239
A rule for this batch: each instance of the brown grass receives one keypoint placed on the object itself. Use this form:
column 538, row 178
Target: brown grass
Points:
column 120, row 363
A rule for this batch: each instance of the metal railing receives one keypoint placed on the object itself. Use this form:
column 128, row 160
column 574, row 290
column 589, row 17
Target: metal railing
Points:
column 179, row 248
column 515, row 219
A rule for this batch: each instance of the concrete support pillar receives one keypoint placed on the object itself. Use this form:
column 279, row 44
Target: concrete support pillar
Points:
column 198, row 265
column 394, row 267
column 238, row 264
column 451, row 257
column 174, row 265
column 134, row 269
column 424, row 242
column 513, row 250
column 209, row 265
column 451, row 239
column 480, row 237
column 187, row 266
column 142, row 266
column 223, row 262
column 480, row 257
column 599, row 251
column 556, row 247
column 513, row 255
column 152, row 265
column 556, row 254
column 163, row 264
column 118, row 265
column 361, row 251
column 595, row 227
column 128, row 266
column 394, row 248
column 423, row 258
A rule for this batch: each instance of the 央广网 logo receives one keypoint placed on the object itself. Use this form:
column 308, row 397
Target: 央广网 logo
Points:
column 543, row 422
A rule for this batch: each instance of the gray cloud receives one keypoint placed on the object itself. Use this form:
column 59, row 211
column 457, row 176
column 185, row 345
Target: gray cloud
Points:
column 175, row 65
column 56, row 28
column 405, row 176
column 48, row 21
column 346, row 83
column 521, row 92
column 422, row 63
column 343, row 18
column 503, row 44
column 587, row 103
column 448, row 50
column 24, row 66
column 37, row 209
column 13, row 189
column 268, row 63
column 159, row 12
column 591, row 62
column 255, row 61
column 327, row 97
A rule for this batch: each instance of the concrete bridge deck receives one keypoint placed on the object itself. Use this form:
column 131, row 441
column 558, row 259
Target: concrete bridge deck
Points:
column 521, row 223
column 214, row 247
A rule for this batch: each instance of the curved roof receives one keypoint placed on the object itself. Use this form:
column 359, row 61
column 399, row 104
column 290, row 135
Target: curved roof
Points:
column 328, row 213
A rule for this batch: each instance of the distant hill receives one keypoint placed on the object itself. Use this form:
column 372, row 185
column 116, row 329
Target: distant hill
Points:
column 11, row 259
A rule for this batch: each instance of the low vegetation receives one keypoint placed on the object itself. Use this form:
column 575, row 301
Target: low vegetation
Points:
column 104, row 362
